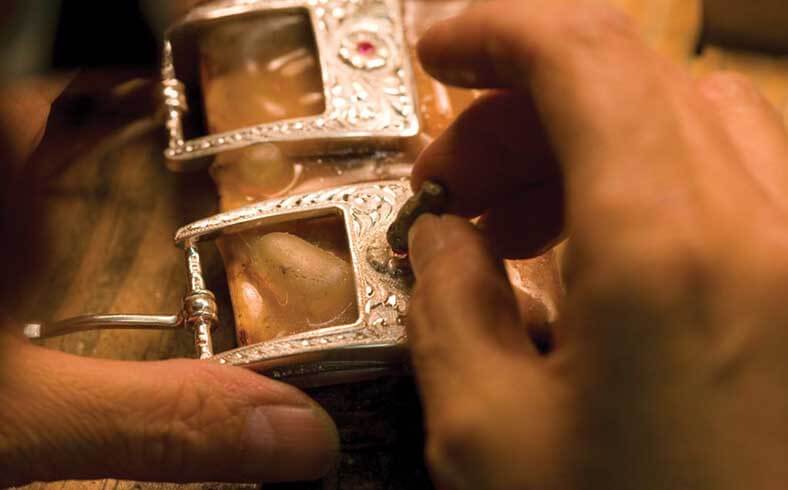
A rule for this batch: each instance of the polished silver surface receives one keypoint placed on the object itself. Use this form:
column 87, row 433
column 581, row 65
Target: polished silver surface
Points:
column 200, row 313
column 370, row 100
column 101, row 322
column 382, row 293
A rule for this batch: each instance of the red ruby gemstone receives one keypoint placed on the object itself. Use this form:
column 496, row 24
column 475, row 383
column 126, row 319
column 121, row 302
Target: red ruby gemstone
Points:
column 365, row 48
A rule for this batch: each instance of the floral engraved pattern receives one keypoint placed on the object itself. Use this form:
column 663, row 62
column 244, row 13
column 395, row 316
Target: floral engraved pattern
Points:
column 369, row 94
column 368, row 210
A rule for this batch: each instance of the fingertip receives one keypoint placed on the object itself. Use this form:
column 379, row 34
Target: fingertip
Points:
column 178, row 420
column 432, row 48
column 286, row 435
column 285, row 443
column 424, row 241
column 255, row 428
column 473, row 49
column 440, row 57
column 426, row 46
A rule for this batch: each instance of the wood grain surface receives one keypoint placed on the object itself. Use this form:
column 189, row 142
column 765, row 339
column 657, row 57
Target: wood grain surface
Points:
column 106, row 209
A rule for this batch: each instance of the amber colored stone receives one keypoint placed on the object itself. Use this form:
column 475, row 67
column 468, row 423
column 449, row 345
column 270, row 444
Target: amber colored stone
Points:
column 258, row 69
column 290, row 278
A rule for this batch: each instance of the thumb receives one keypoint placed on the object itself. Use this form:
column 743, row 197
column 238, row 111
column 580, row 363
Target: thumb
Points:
column 480, row 375
column 65, row 417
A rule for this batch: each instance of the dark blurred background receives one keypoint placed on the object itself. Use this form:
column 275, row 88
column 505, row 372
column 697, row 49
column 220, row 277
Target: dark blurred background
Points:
column 38, row 35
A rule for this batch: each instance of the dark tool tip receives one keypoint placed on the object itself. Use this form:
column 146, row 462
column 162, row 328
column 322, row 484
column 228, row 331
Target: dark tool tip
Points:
column 431, row 198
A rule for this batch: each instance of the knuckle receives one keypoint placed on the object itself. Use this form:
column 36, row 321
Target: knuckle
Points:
column 180, row 429
column 163, row 440
column 557, row 31
column 593, row 24
column 455, row 439
column 727, row 84
column 651, row 272
column 737, row 95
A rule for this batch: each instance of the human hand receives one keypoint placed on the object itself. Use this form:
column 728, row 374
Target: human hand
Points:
column 668, row 368
column 67, row 417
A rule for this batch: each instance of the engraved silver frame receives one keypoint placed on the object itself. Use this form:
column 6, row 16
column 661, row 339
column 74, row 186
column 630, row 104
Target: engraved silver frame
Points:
column 376, row 339
column 370, row 102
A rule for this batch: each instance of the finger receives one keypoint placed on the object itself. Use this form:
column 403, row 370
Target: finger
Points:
column 528, row 224
column 492, row 151
column 471, row 351
column 591, row 79
column 69, row 417
column 744, row 110
column 495, row 159
column 463, row 311
column 510, row 43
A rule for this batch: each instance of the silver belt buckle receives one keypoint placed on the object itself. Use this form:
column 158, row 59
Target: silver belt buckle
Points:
column 372, row 344
column 376, row 338
column 369, row 100
column 368, row 82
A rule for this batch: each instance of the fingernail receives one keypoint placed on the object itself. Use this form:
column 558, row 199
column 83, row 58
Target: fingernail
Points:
column 425, row 241
column 457, row 76
column 283, row 443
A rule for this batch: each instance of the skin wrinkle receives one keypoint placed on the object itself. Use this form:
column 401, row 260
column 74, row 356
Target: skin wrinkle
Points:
column 185, row 429
column 81, row 413
column 10, row 438
column 39, row 441
column 191, row 430
column 722, row 91
column 182, row 418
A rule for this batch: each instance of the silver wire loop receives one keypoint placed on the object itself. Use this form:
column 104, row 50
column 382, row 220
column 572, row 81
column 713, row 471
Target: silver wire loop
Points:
column 102, row 322
column 199, row 314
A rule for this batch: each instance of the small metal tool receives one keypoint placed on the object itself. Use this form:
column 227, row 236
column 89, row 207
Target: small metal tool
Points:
column 431, row 198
